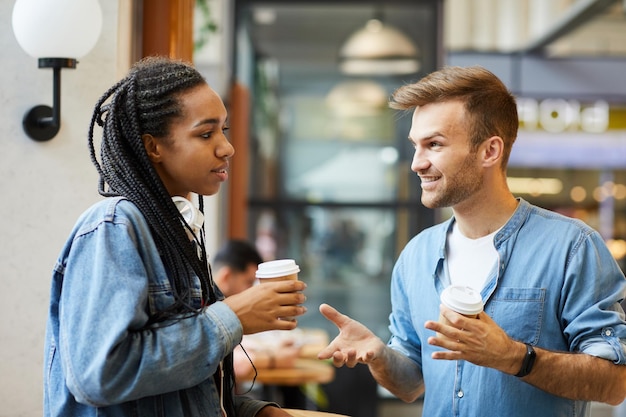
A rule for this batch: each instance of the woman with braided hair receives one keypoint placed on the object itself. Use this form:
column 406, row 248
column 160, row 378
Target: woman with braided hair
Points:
column 136, row 326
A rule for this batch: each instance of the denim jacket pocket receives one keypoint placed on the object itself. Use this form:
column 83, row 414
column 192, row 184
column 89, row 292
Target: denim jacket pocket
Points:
column 508, row 305
column 160, row 297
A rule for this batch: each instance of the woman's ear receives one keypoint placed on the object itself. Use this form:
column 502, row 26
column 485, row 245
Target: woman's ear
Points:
column 152, row 147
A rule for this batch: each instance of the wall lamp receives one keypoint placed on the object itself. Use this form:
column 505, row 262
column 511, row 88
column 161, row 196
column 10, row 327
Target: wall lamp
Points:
column 56, row 32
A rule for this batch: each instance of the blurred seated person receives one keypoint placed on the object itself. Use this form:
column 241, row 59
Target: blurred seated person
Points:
column 235, row 266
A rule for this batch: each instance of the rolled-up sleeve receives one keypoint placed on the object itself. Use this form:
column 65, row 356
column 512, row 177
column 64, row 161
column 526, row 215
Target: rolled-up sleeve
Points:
column 592, row 317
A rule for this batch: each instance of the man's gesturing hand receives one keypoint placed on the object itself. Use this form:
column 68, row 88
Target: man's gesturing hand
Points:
column 354, row 344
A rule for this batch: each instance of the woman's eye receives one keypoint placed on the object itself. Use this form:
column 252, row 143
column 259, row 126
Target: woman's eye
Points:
column 207, row 135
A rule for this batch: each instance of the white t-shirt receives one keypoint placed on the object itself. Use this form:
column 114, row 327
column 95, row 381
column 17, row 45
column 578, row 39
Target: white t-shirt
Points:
column 470, row 260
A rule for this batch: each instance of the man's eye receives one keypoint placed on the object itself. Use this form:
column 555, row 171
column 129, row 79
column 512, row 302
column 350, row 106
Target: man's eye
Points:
column 225, row 129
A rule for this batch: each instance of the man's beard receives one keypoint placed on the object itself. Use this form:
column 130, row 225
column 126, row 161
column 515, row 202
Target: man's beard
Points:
column 458, row 186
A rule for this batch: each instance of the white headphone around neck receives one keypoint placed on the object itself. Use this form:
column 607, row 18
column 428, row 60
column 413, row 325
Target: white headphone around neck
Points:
column 191, row 214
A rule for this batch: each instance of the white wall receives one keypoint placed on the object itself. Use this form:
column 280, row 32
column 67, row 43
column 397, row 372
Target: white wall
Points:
column 43, row 188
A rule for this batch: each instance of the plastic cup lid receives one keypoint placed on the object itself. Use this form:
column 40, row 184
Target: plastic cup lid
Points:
column 277, row 268
column 464, row 300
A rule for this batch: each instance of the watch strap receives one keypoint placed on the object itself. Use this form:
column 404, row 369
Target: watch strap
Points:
column 529, row 361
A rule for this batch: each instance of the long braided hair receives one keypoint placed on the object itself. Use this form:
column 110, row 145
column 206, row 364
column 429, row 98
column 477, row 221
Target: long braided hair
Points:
column 147, row 101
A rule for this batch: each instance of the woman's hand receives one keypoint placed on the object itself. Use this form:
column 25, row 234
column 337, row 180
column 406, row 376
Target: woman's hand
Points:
column 261, row 307
column 271, row 411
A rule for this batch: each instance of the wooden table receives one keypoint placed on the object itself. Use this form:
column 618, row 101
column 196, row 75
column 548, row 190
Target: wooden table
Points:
column 283, row 385
column 309, row 413
column 305, row 371
column 313, row 340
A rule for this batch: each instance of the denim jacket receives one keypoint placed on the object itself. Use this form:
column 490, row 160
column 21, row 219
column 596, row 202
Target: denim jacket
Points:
column 100, row 358
column 555, row 286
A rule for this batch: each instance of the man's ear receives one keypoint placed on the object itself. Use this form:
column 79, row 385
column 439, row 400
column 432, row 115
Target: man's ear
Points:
column 222, row 278
column 493, row 151
column 152, row 147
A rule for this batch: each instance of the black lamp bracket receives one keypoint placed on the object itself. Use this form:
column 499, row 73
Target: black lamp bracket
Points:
column 42, row 122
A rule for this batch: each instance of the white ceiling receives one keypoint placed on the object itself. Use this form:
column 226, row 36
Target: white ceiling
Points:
column 309, row 34
column 564, row 27
column 305, row 36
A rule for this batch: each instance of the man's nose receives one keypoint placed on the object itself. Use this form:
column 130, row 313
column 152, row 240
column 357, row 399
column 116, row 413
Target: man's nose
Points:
column 419, row 162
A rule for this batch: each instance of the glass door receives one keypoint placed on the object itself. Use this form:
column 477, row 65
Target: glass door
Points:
column 330, row 181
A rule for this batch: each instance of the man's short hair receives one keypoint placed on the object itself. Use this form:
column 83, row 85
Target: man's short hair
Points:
column 237, row 254
column 491, row 109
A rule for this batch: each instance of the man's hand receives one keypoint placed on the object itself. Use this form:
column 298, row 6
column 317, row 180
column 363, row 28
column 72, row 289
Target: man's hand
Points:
column 478, row 340
column 354, row 344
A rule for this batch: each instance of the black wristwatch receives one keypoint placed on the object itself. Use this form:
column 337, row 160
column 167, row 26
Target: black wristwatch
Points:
column 529, row 361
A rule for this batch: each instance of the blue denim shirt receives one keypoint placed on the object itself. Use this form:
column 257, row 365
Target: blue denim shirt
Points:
column 555, row 286
column 100, row 359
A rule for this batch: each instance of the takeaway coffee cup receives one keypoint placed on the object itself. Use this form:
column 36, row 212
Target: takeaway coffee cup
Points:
column 279, row 270
column 463, row 300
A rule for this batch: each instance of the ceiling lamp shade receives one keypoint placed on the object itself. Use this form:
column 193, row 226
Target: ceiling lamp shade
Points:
column 357, row 99
column 57, row 28
column 378, row 49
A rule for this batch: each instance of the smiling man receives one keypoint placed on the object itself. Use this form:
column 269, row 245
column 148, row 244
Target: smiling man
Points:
column 552, row 334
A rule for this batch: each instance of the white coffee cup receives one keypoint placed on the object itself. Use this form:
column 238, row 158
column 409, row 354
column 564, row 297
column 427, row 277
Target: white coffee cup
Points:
column 464, row 300
column 279, row 270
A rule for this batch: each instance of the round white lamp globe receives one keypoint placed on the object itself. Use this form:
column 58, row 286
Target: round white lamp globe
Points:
column 57, row 28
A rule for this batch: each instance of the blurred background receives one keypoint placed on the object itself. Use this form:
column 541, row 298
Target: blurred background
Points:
column 330, row 183
column 321, row 173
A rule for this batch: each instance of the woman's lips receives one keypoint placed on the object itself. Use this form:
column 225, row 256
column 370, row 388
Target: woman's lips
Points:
column 222, row 173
